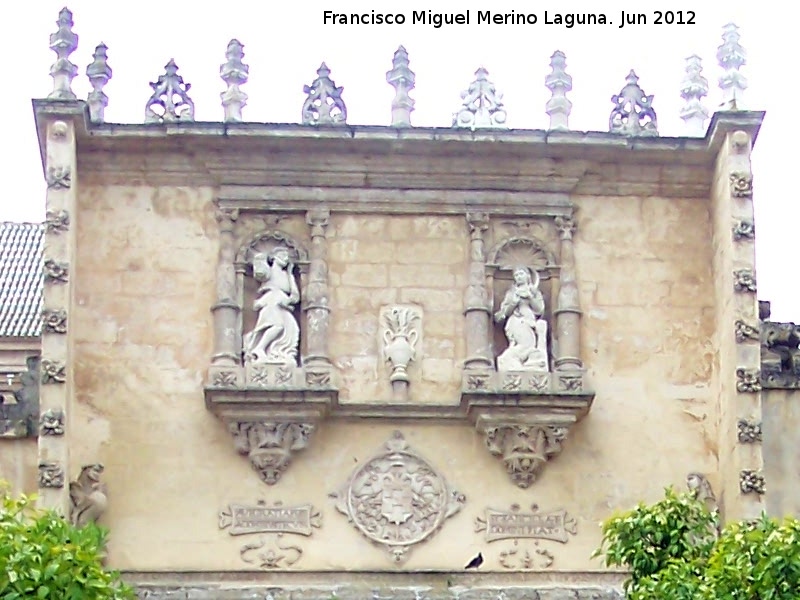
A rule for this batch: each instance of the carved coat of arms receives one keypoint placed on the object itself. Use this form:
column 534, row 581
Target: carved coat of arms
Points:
column 397, row 499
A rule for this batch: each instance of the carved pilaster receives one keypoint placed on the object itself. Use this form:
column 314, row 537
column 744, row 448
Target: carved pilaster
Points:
column 226, row 309
column 316, row 301
column 477, row 306
column 568, row 310
column 270, row 445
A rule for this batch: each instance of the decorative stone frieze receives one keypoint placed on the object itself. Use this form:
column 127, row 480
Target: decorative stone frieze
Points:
column 744, row 280
column 749, row 431
column 53, row 372
column 63, row 42
column 558, row 107
column 743, row 229
column 748, row 380
column 693, row 89
column 270, row 446
column 523, row 448
column 633, row 113
column 731, row 57
column 397, row 499
column 56, row 221
column 59, row 178
column 54, row 320
column 744, row 331
column 401, row 78
column 51, row 474
column 99, row 73
column 780, row 355
column 234, row 73
column 52, row 423
column 482, row 104
column 401, row 329
column 88, row 496
column 752, row 482
column 55, row 272
column 741, row 185
column 323, row 104
column 170, row 101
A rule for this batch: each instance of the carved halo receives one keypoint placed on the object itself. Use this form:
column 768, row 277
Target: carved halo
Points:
column 527, row 251
column 265, row 241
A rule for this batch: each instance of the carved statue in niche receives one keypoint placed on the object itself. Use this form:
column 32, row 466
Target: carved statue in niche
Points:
column 522, row 309
column 276, row 335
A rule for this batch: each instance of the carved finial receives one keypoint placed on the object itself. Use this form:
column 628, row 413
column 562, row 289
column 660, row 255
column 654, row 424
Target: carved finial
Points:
column 234, row 73
column 98, row 73
column 63, row 42
column 633, row 114
column 731, row 57
column 324, row 105
column 170, row 94
column 483, row 106
column 559, row 83
column 401, row 78
column 693, row 89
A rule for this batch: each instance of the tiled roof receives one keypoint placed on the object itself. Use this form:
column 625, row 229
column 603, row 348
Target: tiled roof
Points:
column 21, row 279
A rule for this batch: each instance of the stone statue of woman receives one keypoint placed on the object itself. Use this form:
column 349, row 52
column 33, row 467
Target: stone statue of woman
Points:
column 276, row 335
column 522, row 309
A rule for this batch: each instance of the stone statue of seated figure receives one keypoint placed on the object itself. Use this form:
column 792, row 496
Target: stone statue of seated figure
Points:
column 276, row 335
column 522, row 309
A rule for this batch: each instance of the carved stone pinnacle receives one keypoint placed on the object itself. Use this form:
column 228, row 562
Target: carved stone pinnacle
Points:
column 63, row 42
column 633, row 113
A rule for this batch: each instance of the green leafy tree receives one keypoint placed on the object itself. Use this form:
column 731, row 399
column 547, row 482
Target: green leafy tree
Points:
column 42, row 555
column 673, row 552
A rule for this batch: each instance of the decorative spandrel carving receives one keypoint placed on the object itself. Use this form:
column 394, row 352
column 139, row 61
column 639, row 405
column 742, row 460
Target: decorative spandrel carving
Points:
column 744, row 280
column 522, row 310
column 170, row 101
column 270, row 446
column 401, row 330
column 56, row 221
column 51, row 475
column 52, row 422
column 397, row 499
column 744, row 331
column 275, row 338
column 752, row 482
column 54, row 321
column 524, row 448
column 482, row 104
column 780, row 355
column 633, row 113
column 324, row 104
column 19, row 419
column 53, row 372
column 55, row 272
column 88, row 496
column 749, row 431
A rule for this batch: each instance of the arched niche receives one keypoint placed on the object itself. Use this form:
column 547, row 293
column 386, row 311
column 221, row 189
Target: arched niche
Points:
column 265, row 242
column 501, row 260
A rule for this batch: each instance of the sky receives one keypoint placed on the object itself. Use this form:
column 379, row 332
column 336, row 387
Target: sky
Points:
column 284, row 44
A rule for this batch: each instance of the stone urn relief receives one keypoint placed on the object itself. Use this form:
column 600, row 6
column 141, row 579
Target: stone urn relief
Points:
column 401, row 332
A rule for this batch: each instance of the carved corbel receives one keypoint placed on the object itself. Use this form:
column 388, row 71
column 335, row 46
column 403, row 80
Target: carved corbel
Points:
column 270, row 446
column 525, row 447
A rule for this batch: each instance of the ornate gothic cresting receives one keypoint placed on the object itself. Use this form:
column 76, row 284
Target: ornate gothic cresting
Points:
column 324, row 104
column 397, row 499
column 633, row 113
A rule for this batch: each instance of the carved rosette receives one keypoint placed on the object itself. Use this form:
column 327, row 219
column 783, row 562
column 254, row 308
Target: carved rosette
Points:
column 56, row 221
column 52, row 422
column 744, row 280
column 752, row 482
column 53, row 372
column 54, row 321
column 748, row 380
column 524, row 448
column 59, row 178
column 749, row 431
column 744, row 331
column 51, row 475
column 397, row 499
column 270, row 445
column 743, row 229
column 742, row 185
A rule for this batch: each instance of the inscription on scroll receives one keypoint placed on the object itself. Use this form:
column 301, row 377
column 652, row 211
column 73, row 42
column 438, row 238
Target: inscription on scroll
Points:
column 555, row 525
column 242, row 519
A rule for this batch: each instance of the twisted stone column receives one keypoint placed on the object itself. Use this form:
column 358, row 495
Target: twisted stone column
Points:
column 316, row 301
column 568, row 310
column 477, row 306
column 226, row 309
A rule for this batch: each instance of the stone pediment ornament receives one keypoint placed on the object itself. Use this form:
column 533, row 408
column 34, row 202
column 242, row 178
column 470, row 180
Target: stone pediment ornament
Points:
column 397, row 499
column 324, row 104
column 633, row 113
column 170, row 98
column 482, row 104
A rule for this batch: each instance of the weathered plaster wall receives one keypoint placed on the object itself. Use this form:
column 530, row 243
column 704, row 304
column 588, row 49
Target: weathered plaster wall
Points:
column 145, row 282
column 18, row 462
column 781, row 433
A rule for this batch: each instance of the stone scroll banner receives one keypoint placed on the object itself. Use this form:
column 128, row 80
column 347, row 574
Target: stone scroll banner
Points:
column 242, row 519
column 555, row 525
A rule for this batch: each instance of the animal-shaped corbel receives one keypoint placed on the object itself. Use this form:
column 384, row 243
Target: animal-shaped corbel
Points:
column 88, row 496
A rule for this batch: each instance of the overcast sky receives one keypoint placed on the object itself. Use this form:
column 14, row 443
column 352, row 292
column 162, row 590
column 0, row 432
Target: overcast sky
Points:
column 285, row 43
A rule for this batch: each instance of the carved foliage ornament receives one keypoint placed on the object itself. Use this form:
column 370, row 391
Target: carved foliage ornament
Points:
column 397, row 499
column 270, row 445
column 744, row 280
column 56, row 221
column 741, row 185
column 743, row 230
column 51, row 475
column 59, row 178
column 88, row 496
column 324, row 104
column 745, row 331
column 633, row 113
column 748, row 380
column 55, row 272
column 751, row 482
column 54, row 321
column 749, row 431
column 53, row 372
column 52, row 422
column 170, row 101
column 524, row 449
column 482, row 104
